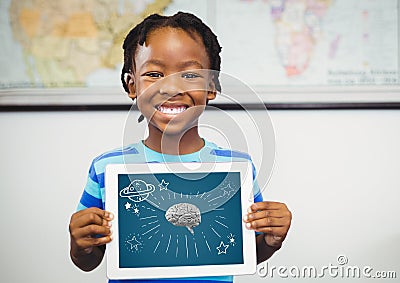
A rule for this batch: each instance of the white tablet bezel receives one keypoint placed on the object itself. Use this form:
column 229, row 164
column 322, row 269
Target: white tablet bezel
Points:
column 111, row 204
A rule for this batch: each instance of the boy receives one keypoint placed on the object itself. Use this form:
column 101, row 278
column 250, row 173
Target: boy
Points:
column 165, row 70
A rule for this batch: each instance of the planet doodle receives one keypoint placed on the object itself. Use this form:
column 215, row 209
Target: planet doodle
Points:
column 137, row 191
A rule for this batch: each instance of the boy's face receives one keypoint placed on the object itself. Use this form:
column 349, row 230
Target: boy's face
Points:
column 171, row 81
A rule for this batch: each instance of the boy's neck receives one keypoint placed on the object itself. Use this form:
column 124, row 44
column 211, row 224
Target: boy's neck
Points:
column 187, row 143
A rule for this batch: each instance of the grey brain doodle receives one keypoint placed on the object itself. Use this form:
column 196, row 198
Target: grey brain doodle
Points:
column 185, row 215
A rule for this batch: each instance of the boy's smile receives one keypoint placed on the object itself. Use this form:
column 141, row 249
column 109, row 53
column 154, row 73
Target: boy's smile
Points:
column 171, row 109
column 171, row 82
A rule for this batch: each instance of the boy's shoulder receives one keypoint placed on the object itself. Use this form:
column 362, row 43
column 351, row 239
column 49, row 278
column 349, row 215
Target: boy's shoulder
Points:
column 116, row 152
column 115, row 155
column 226, row 152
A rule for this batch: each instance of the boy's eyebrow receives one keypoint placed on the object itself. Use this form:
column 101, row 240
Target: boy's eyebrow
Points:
column 191, row 63
column 182, row 65
column 153, row 62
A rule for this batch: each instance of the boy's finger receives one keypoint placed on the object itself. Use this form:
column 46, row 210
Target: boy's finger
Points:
column 85, row 220
column 264, row 213
column 91, row 231
column 102, row 213
column 265, row 205
column 102, row 240
column 95, row 210
column 265, row 222
column 108, row 215
column 86, row 243
column 276, row 231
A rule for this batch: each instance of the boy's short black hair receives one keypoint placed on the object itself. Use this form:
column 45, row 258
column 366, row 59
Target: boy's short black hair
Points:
column 185, row 21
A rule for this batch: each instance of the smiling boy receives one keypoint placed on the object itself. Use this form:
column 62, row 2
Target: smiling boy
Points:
column 166, row 70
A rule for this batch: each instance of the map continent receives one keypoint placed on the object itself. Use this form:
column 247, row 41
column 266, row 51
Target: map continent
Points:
column 298, row 28
column 66, row 41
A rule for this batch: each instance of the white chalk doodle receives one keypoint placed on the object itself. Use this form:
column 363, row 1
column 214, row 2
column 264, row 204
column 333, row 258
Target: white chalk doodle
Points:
column 128, row 205
column 137, row 191
column 231, row 239
column 133, row 244
column 222, row 248
column 163, row 186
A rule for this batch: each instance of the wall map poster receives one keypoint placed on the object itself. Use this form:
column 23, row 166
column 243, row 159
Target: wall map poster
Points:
column 288, row 51
column 276, row 42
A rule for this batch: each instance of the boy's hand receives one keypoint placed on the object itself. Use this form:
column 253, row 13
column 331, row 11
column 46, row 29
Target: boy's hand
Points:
column 89, row 228
column 271, row 218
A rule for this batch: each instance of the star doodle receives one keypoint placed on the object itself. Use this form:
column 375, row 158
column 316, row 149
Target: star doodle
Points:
column 164, row 185
column 127, row 205
column 134, row 243
column 222, row 248
column 228, row 190
column 135, row 209
column 232, row 240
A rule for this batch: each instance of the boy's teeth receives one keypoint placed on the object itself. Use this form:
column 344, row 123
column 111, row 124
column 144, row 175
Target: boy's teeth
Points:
column 171, row 110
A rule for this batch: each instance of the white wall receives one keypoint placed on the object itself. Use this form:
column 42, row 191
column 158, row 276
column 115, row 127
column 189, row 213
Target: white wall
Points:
column 338, row 171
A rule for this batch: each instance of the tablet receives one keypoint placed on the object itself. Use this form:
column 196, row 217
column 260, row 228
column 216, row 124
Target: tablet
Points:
column 176, row 220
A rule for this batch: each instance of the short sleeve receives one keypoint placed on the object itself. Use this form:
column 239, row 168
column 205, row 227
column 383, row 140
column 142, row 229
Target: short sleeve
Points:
column 91, row 196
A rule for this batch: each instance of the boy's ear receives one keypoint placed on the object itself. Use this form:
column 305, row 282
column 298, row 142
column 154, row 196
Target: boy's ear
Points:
column 131, row 86
column 212, row 91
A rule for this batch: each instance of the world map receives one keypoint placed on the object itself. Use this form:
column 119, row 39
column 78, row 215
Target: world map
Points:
column 276, row 42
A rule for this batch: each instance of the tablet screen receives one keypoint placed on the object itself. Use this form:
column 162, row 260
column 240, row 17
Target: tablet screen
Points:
column 174, row 221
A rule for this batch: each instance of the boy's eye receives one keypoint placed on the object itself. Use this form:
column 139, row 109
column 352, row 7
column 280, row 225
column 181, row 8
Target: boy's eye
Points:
column 190, row 75
column 153, row 75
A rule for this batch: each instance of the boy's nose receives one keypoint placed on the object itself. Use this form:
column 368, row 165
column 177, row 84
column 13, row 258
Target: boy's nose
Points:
column 171, row 85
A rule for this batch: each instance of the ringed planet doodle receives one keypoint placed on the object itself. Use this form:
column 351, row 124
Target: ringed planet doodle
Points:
column 137, row 191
